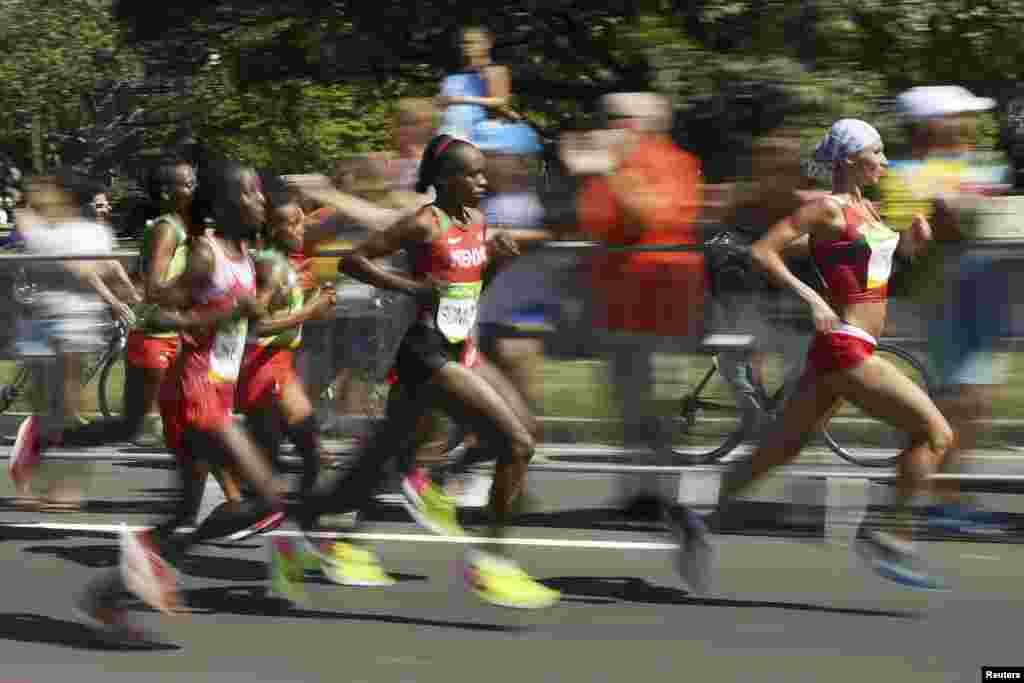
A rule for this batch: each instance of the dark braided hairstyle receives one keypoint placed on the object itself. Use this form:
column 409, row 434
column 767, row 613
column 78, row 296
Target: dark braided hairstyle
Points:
column 218, row 191
column 161, row 180
column 440, row 160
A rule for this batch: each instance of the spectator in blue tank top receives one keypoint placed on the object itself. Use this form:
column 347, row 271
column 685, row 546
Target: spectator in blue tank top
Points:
column 482, row 90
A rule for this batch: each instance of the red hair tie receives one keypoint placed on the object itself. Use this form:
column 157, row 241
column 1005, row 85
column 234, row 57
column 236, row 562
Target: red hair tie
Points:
column 442, row 147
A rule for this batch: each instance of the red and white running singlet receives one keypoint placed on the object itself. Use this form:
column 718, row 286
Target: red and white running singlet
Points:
column 856, row 266
column 216, row 353
column 458, row 258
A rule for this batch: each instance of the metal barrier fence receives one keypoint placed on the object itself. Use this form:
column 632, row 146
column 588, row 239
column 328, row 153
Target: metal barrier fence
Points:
column 905, row 323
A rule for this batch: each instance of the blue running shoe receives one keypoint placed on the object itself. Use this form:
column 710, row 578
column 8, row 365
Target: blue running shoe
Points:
column 967, row 520
column 896, row 561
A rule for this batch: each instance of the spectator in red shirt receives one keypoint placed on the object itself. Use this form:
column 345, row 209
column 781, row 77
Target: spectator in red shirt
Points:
column 644, row 300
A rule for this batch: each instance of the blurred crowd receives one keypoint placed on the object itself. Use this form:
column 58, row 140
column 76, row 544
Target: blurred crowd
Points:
column 626, row 183
column 433, row 280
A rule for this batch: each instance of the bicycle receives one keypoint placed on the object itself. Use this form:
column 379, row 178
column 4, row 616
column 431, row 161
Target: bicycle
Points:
column 102, row 365
column 700, row 438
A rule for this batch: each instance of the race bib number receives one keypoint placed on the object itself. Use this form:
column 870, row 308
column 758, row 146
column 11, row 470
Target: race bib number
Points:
column 228, row 348
column 457, row 309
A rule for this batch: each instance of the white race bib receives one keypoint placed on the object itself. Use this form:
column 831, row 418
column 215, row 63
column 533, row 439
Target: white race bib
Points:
column 457, row 310
column 228, row 348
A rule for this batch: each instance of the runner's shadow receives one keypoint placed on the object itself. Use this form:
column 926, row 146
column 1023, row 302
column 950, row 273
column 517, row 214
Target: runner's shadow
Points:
column 254, row 601
column 197, row 566
column 147, row 464
column 92, row 556
column 35, row 628
column 400, row 578
column 17, row 534
column 601, row 591
column 121, row 507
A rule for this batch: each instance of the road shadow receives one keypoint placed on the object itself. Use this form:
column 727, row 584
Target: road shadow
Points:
column 142, row 506
column 253, row 601
column 214, row 567
column 8, row 533
column 602, row 590
column 197, row 566
column 400, row 578
column 35, row 628
column 169, row 465
column 607, row 519
column 92, row 556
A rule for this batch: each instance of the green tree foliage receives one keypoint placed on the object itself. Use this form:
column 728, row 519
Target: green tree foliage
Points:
column 47, row 64
column 297, row 84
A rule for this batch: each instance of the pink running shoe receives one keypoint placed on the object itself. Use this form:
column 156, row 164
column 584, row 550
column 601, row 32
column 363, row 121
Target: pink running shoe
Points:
column 25, row 455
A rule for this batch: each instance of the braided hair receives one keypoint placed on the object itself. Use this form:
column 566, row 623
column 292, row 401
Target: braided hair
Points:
column 219, row 190
column 161, row 181
column 440, row 160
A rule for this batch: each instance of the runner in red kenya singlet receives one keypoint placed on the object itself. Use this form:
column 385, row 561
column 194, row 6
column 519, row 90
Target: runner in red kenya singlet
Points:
column 439, row 365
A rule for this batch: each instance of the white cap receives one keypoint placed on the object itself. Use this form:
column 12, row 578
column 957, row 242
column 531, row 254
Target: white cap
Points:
column 940, row 100
column 652, row 108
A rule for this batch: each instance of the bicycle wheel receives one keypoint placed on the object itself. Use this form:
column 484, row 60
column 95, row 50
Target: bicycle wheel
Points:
column 111, row 383
column 9, row 393
column 706, row 424
column 863, row 440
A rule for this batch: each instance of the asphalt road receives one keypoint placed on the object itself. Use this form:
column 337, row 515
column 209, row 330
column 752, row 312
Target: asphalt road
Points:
column 791, row 604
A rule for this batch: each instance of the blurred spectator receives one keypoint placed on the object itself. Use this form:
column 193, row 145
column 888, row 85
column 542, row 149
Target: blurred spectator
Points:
column 414, row 127
column 646, row 299
column 963, row 293
column 520, row 296
column 70, row 311
column 99, row 208
column 482, row 90
column 355, row 349
column 744, row 301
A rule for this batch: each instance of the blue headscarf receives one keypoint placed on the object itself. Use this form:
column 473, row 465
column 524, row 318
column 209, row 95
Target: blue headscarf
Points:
column 845, row 138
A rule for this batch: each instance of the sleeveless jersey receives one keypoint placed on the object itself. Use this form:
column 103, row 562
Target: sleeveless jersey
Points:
column 175, row 267
column 457, row 257
column 292, row 337
column 460, row 120
column 216, row 353
column 856, row 266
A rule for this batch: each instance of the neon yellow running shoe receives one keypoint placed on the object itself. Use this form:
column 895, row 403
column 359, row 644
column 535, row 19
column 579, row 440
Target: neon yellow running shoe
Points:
column 350, row 565
column 431, row 507
column 502, row 582
column 286, row 571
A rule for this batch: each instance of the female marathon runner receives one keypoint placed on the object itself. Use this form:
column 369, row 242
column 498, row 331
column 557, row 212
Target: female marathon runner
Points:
column 270, row 393
column 853, row 251
column 212, row 302
column 153, row 346
column 438, row 364
column 151, row 351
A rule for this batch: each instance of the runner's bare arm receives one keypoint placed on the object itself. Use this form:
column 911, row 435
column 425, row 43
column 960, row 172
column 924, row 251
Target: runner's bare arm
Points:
column 176, row 298
column 359, row 211
column 360, row 264
column 322, row 302
column 915, row 239
column 266, row 283
column 767, row 252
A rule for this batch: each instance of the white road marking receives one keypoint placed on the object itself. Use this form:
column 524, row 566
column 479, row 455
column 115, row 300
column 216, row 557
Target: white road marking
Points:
column 971, row 556
column 410, row 538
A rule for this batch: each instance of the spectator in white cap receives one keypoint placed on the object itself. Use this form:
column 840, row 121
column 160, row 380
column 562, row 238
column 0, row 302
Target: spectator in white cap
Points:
column 961, row 295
